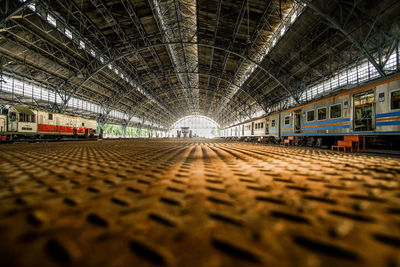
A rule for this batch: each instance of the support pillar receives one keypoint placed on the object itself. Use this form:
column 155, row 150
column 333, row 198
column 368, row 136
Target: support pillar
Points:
column 100, row 129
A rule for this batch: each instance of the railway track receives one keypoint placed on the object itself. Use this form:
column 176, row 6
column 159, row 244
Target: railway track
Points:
column 196, row 203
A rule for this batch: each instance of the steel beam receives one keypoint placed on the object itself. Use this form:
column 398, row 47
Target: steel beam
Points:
column 14, row 11
column 336, row 25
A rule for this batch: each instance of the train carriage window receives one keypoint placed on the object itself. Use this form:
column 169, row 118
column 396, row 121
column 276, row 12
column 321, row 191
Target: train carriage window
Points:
column 32, row 118
column 336, row 111
column 262, row 125
column 83, row 124
column 25, row 117
column 322, row 114
column 13, row 116
column 287, row 120
column 273, row 123
column 395, row 100
column 50, row 116
column 310, row 115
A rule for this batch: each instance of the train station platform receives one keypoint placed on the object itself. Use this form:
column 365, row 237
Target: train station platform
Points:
column 196, row 202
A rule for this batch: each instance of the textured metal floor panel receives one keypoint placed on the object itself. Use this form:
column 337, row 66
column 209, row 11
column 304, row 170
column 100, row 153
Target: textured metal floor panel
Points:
column 196, row 203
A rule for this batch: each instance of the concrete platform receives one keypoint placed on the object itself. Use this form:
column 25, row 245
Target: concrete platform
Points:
column 196, row 203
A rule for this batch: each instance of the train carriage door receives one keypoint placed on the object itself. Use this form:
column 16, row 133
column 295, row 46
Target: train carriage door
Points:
column 252, row 128
column 12, row 121
column 267, row 127
column 297, row 121
column 364, row 110
column 2, row 124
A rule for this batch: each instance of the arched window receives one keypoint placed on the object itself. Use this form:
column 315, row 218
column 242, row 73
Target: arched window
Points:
column 201, row 126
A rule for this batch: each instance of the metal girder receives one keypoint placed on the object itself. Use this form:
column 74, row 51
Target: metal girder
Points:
column 234, row 34
column 104, row 116
column 143, row 35
column 105, row 110
column 335, row 24
column 117, row 28
column 296, row 85
column 138, row 49
column 132, row 112
column 108, row 51
column 231, row 111
column 90, row 66
column 34, row 41
column 178, row 53
column 253, row 38
column 40, row 104
column 206, row 89
column 313, row 35
column 212, row 50
column 16, row 10
column 120, row 56
column 89, row 77
column 116, row 95
column 203, row 72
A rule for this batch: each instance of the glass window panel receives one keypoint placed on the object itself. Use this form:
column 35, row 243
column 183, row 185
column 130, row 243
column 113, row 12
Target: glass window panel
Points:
column 310, row 115
column 51, row 20
column 322, row 114
column 395, row 100
column 68, row 33
column 287, row 120
column 336, row 111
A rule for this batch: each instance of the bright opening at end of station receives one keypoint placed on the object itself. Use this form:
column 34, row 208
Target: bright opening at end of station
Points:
column 194, row 126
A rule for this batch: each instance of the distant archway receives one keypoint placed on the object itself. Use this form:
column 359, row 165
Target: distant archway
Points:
column 199, row 125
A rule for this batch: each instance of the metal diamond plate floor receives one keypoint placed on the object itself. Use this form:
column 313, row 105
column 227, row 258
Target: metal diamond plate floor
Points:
column 196, row 203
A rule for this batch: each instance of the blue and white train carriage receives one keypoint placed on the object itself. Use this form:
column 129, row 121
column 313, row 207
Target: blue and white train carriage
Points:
column 372, row 110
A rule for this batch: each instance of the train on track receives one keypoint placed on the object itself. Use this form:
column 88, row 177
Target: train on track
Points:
column 371, row 110
column 18, row 122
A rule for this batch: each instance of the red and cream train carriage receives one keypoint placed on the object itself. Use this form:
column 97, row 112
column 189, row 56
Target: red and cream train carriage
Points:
column 17, row 121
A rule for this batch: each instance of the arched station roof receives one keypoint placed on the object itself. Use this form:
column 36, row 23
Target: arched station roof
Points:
column 162, row 60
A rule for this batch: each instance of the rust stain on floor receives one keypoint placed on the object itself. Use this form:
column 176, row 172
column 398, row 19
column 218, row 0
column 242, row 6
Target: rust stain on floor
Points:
column 196, row 203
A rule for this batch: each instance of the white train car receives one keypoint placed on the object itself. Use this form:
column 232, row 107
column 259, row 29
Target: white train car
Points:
column 248, row 129
column 21, row 120
column 371, row 110
column 272, row 129
column 55, row 123
column 259, row 127
column 18, row 121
